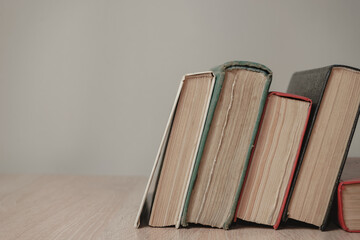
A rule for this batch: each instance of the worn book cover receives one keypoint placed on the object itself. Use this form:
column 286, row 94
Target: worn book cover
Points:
column 312, row 84
column 219, row 73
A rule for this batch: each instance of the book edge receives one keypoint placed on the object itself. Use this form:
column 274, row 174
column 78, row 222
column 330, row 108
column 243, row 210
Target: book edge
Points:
column 219, row 73
column 211, row 109
column 340, row 205
column 178, row 223
column 268, row 76
column 286, row 95
column 327, row 214
column 159, row 157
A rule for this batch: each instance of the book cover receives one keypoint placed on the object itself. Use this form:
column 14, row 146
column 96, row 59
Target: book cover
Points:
column 219, row 73
column 312, row 84
column 340, row 208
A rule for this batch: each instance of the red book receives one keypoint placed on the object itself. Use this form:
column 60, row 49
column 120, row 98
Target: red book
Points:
column 273, row 159
column 348, row 194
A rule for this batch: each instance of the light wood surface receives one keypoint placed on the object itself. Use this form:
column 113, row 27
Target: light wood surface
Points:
column 105, row 207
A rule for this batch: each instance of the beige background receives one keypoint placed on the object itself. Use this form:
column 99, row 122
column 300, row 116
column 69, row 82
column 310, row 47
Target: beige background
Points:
column 87, row 86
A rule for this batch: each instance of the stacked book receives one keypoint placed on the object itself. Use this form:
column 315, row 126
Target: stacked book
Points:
column 232, row 150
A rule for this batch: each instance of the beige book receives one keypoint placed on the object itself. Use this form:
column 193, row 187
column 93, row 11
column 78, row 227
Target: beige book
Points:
column 228, row 145
column 206, row 146
column 274, row 159
column 165, row 192
column 335, row 91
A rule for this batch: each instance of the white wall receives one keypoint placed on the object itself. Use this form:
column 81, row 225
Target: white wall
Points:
column 87, row 86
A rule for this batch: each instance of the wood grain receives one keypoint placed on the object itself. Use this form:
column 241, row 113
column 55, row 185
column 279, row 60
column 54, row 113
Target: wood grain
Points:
column 104, row 207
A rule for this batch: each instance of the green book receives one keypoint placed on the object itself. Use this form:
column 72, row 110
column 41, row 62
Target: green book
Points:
column 203, row 187
column 245, row 73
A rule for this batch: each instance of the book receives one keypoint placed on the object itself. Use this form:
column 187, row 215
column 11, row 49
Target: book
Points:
column 335, row 93
column 234, row 114
column 348, row 197
column 273, row 162
column 237, row 95
column 176, row 155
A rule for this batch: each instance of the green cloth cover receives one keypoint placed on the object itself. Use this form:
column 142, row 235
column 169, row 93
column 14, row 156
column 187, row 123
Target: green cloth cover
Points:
column 219, row 73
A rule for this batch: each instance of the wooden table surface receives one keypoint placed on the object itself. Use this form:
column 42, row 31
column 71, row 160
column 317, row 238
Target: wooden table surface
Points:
column 104, row 207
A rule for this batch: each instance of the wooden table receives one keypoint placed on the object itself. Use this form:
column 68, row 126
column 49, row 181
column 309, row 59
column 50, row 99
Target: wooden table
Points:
column 104, row 207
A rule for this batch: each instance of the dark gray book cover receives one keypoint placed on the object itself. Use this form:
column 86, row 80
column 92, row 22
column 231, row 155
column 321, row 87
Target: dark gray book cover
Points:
column 312, row 84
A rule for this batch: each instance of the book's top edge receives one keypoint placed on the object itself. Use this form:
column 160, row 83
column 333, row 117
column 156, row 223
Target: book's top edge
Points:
column 243, row 64
column 289, row 95
column 351, row 181
column 198, row 73
column 345, row 66
column 330, row 67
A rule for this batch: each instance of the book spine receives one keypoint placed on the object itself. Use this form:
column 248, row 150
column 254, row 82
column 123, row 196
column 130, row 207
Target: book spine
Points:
column 251, row 156
column 340, row 208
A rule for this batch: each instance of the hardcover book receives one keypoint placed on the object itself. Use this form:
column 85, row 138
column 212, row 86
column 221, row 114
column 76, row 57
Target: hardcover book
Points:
column 234, row 114
column 169, row 179
column 225, row 118
column 274, row 159
column 349, row 196
column 335, row 92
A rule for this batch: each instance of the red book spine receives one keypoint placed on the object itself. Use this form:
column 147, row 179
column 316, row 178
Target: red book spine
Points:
column 340, row 204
